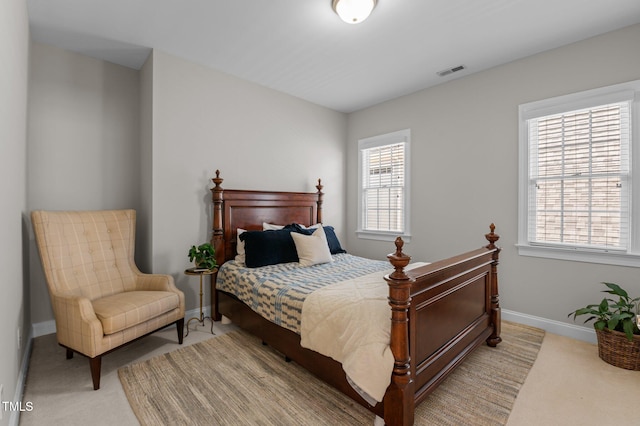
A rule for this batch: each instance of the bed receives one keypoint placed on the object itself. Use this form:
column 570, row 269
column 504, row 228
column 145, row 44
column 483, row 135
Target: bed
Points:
column 439, row 312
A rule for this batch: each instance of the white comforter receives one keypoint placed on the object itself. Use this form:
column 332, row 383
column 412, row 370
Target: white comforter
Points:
column 350, row 322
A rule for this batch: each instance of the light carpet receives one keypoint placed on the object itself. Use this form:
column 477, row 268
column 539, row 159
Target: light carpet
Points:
column 233, row 379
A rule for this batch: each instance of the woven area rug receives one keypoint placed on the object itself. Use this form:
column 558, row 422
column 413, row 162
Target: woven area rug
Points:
column 234, row 380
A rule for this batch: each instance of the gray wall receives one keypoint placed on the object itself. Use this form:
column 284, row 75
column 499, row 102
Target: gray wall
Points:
column 84, row 149
column 464, row 168
column 14, row 305
column 105, row 136
column 203, row 120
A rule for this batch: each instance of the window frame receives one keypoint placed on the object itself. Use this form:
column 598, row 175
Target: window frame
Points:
column 572, row 102
column 400, row 136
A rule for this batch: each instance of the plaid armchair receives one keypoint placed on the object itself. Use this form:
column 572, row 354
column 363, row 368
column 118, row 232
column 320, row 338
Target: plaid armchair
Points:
column 100, row 299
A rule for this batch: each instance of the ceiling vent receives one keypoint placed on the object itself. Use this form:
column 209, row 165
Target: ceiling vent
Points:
column 450, row 70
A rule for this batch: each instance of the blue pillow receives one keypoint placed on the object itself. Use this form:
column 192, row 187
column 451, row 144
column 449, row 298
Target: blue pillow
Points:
column 264, row 248
column 332, row 238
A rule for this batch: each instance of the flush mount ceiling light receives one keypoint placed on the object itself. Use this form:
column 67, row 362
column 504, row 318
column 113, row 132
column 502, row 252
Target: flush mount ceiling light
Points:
column 353, row 11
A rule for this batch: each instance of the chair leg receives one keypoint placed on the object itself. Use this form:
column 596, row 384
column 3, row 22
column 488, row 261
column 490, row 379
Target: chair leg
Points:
column 180, row 327
column 69, row 353
column 95, row 364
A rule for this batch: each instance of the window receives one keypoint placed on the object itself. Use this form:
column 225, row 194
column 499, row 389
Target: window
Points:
column 577, row 191
column 383, row 186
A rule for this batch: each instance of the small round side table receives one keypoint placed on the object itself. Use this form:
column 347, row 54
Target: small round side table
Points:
column 200, row 273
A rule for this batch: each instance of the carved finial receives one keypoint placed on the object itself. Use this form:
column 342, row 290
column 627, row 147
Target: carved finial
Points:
column 319, row 185
column 492, row 237
column 217, row 180
column 399, row 260
column 399, row 244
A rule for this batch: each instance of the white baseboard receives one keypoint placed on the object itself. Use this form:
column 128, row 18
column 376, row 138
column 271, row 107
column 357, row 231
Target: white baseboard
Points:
column 43, row 328
column 555, row 327
column 195, row 313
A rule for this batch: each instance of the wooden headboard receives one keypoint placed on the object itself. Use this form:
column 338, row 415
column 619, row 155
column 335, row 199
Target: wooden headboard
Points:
column 233, row 209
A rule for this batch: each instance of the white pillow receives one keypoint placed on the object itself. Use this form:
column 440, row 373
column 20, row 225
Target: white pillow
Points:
column 312, row 249
column 271, row 226
column 240, row 257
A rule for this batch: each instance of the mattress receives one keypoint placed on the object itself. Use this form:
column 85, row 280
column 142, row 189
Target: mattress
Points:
column 277, row 292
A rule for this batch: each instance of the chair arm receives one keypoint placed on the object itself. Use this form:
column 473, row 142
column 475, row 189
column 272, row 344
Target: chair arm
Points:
column 72, row 306
column 75, row 321
column 158, row 282
column 154, row 282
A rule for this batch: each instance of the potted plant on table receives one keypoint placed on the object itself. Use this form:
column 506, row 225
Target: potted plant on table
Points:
column 616, row 327
column 203, row 256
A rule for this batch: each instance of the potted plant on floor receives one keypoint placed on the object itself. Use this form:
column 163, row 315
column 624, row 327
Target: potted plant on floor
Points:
column 203, row 256
column 616, row 327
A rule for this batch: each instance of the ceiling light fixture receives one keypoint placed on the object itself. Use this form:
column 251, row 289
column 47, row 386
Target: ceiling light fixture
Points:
column 353, row 11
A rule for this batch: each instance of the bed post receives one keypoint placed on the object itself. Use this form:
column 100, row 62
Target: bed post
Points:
column 319, row 203
column 495, row 338
column 399, row 401
column 217, row 239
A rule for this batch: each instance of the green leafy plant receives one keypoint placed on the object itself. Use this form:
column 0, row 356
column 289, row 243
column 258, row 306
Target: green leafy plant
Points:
column 613, row 314
column 204, row 256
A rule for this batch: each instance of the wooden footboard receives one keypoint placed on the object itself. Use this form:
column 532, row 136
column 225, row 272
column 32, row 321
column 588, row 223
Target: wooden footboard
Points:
column 440, row 312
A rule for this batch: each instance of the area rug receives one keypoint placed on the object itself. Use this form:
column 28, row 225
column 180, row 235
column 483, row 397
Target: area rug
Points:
column 234, row 380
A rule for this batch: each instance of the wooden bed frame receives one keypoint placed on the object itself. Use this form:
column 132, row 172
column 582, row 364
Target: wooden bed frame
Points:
column 439, row 312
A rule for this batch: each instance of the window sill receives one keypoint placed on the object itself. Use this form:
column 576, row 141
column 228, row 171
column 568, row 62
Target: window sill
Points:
column 382, row 236
column 580, row 255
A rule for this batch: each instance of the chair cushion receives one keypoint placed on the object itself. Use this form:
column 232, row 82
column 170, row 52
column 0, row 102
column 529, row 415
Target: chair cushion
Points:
column 123, row 310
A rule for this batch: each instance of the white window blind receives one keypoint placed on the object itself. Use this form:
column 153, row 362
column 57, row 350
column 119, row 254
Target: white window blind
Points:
column 579, row 177
column 383, row 187
column 579, row 198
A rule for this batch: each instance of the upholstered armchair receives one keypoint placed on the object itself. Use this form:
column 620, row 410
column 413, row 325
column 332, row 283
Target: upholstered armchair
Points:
column 100, row 299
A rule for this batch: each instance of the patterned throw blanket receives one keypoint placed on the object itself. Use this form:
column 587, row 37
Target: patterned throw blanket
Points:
column 277, row 292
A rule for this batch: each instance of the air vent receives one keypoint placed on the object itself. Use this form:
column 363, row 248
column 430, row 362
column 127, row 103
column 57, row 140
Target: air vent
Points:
column 450, row 70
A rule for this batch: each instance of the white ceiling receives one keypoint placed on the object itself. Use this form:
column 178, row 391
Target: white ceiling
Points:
column 302, row 48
